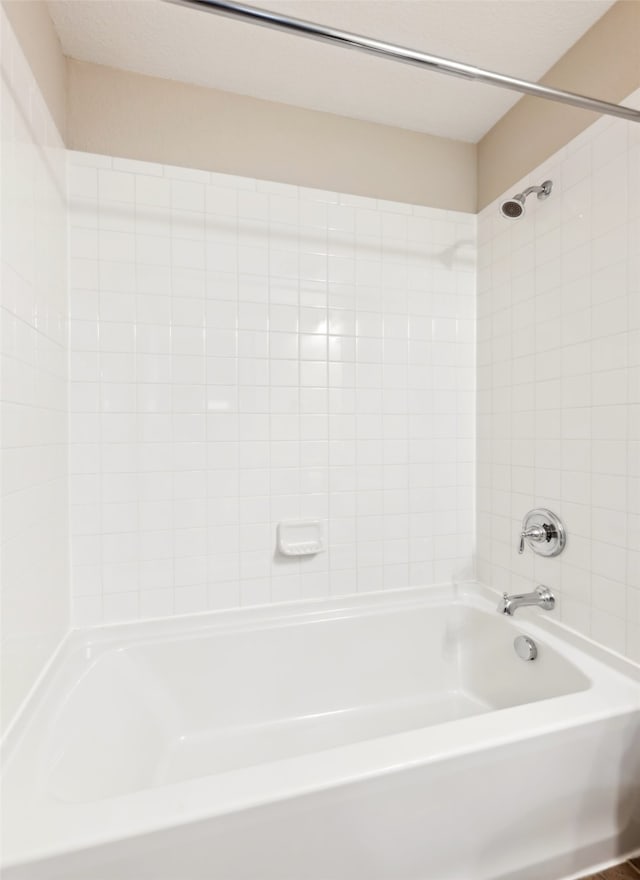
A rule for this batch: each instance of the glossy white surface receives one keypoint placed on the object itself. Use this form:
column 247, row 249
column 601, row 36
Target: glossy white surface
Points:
column 300, row 537
column 237, row 744
column 244, row 352
column 559, row 383
column 34, row 540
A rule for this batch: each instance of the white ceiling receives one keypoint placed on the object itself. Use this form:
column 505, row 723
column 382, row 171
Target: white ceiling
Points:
column 523, row 38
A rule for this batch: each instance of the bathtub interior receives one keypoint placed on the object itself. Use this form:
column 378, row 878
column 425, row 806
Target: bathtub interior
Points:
column 162, row 710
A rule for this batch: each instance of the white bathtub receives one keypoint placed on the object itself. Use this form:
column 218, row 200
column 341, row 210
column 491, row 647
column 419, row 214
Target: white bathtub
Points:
column 380, row 737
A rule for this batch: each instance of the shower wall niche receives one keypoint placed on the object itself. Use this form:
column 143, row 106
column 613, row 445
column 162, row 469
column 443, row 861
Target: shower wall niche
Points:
column 245, row 352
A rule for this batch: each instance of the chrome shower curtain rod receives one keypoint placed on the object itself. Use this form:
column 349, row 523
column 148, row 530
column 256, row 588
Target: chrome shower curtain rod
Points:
column 264, row 17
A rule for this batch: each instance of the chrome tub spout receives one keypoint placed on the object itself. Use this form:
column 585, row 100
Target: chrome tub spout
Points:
column 541, row 596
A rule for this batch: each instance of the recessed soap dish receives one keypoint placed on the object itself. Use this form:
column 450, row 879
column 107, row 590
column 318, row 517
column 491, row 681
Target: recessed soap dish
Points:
column 300, row 537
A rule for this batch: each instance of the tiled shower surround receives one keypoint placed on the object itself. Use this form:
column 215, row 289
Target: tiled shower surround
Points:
column 34, row 552
column 241, row 353
column 559, row 383
column 244, row 353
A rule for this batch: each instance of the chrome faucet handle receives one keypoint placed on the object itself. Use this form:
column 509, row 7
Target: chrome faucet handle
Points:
column 534, row 533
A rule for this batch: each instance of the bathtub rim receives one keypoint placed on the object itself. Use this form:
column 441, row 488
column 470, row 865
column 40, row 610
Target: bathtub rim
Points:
column 613, row 693
column 100, row 637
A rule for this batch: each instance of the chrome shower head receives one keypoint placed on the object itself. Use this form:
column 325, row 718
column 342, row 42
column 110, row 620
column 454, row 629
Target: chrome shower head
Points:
column 513, row 208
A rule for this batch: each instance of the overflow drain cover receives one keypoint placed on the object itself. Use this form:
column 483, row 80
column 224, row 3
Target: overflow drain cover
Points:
column 526, row 648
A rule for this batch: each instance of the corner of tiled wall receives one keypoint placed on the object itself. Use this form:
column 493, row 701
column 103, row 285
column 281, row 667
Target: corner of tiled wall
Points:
column 559, row 382
column 243, row 352
column 33, row 314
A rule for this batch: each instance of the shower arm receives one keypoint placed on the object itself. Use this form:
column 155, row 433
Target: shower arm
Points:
column 280, row 22
column 541, row 191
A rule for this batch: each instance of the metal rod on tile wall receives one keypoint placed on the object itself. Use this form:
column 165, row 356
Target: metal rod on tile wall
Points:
column 266, row 18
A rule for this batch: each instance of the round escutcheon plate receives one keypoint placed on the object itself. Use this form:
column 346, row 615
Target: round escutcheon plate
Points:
column 552, row 525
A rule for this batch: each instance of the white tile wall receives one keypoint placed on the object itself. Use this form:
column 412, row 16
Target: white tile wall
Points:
column 559, row 382
column 244, row 352
column 35, row 587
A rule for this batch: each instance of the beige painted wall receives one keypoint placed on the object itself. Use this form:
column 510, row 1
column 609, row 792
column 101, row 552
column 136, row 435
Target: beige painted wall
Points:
column 34, row 29
column 142, row 117
column 604, row 63
column 104, row 110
